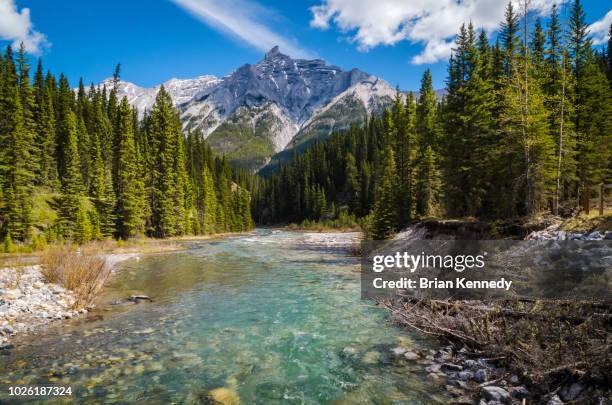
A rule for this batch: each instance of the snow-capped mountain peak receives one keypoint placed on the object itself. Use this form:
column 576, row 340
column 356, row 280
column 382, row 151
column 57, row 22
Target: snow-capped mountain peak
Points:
column 257, row 110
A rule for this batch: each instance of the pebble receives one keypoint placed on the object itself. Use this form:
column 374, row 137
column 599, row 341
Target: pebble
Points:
column 465, row 375
column 571, row 392
column 398, row 351
column 555, row 400
column 519, row 392
column 411, row 355
column 552, row 234
column 493, row 393
column 480, row 375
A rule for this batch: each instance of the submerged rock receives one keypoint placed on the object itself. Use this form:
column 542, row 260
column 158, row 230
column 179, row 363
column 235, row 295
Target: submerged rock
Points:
column 139, row 298
column 398, row 351
column 223, row 396
column 409, row 355
column 371, row 357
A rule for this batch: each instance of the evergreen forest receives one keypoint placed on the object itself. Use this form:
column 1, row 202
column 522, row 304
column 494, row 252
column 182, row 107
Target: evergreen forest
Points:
column 525, row 127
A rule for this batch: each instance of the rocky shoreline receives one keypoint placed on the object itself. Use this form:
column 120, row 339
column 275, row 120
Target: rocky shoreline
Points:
column 28, row 303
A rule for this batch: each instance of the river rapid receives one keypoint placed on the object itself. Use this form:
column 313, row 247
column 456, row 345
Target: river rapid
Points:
column 274, row 317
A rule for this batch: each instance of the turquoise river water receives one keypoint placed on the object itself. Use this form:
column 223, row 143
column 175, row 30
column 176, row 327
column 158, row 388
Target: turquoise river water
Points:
column 274, row 317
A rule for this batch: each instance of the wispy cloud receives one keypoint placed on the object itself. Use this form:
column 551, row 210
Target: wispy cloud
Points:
column 432, row 23
column 17, row 26
column 244, row 20
column 600, row 29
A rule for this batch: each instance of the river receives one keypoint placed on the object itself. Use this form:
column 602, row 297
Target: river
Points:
column 274, row 317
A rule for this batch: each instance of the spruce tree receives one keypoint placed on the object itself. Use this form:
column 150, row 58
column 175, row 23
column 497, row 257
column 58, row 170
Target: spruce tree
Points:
column 102, row 193
column 385, row 215
column 130, row 187
column 69, row 202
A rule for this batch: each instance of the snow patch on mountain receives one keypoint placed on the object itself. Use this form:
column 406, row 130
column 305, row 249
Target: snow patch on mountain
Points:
column 287, row 97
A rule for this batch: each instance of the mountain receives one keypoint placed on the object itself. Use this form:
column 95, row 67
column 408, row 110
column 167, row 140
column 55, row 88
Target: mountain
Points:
column 260, row 110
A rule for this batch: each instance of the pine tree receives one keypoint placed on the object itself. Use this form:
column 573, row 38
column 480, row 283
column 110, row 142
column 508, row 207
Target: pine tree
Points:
column 427, row 193
column 18, row 179
column 129, row 187
column 45, row 142
column 15, row 158
column 592, row 116
column 209, row 209
column 609, row 56
column 509, row 36
column 169, row 182
column 69, row 202
column 429, row 184
column 352, row 183
column 385, row 215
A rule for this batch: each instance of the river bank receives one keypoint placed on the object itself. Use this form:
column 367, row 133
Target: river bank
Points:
column 29, row 303
column 538, row 351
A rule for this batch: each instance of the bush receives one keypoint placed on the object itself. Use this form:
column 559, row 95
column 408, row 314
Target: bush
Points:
column 83, row 272
column 39, row 242
column 9, row 247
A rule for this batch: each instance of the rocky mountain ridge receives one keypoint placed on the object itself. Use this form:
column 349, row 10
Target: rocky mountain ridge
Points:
column 260, row 110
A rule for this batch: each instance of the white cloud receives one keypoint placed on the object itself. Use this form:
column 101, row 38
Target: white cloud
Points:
column 432, row 23
column 17, row 26
column 243, row 20
column 600, row 29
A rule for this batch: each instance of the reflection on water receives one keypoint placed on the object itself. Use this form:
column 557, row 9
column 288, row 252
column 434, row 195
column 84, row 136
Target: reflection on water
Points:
column 267, row 316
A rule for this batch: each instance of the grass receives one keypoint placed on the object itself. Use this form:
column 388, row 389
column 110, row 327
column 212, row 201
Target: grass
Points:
column 591, row 222
column 81, row 270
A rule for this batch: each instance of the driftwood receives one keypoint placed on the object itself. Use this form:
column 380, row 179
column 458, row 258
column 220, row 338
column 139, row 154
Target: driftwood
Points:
column 530, row 337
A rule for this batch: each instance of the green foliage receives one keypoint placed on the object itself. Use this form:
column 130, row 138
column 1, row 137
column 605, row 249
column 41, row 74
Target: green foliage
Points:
column 385, row 213
column 525, row 126
column 8, row 245
column 81, row 166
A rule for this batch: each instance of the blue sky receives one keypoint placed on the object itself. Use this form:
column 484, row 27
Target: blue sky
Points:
column 159, row 39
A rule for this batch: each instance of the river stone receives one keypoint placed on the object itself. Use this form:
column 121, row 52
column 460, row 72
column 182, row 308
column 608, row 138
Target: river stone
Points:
column 349, row 351
column 11, row 294
column 434, row 368
column 493, row 393
column 571, row 392
column 398, row 351
column 223, row 396
column 480, row 375
column 6, row 330
column 409, row 355
column 465, row 375
column 470, row 364
column 461, row 384
column 139, row 298
column 554, row 401
column 519, row 392
column 451, row 367
column 371, row 357
column 434, row 376
column 6, row 346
